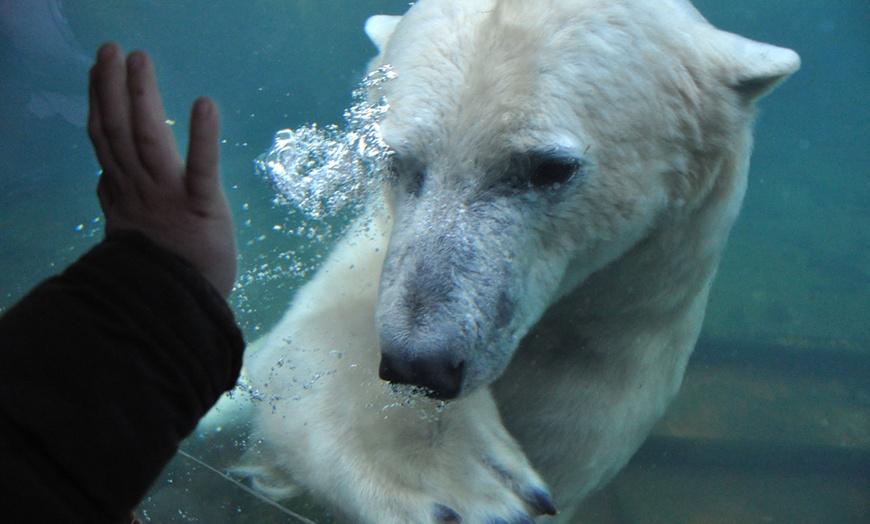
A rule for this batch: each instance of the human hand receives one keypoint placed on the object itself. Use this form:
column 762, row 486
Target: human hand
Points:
column 145, row 185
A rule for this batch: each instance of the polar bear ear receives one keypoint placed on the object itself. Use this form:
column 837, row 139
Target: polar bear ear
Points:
column 379, row 29
column 758, row 67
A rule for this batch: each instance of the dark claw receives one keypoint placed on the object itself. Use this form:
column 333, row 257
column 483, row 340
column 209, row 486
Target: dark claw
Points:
column 446, row 515
column 543, row 503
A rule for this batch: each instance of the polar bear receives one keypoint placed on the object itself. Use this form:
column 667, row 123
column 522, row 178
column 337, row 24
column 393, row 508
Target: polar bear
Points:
column 563, row 179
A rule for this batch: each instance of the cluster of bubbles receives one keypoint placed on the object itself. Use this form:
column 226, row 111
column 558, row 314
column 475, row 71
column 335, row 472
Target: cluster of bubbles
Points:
column 322, row 177
column 320, row 171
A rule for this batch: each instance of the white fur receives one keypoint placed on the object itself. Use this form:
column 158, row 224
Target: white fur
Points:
column 573, row 308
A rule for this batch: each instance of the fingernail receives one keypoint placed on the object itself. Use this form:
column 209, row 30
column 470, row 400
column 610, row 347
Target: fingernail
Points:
column 106, row 51
column 136, row 61
column 201, row 107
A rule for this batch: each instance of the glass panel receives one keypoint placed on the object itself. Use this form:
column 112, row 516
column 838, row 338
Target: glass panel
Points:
column 772, row 423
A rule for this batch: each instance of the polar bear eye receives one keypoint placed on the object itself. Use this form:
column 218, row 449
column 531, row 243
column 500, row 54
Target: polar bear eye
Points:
column 413, row 181
column 406, row 175
column 553, row 171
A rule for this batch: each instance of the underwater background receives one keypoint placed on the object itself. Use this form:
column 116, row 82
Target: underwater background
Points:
column 773, row 422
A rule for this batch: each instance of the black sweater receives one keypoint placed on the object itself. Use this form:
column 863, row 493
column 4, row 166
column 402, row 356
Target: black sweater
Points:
column 103, row 371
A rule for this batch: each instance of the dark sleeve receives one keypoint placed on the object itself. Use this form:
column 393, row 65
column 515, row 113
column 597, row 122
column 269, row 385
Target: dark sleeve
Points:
column 103, row 371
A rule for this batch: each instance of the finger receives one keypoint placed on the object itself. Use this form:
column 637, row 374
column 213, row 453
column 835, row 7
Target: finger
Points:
column 203, row 153
column 95, row 128
column 110, row 79
column 107, row 187
column 153, row 138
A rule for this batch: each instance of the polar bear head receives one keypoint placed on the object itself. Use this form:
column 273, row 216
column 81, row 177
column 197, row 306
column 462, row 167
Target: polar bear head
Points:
column 536, row 142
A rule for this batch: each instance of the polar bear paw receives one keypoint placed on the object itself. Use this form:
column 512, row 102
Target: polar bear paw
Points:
column 410, row 465
column 461, row 466
column 488, row 483
column 473, row 477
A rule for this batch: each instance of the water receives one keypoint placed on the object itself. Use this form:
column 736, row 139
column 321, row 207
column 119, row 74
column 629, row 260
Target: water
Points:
column 773, row 424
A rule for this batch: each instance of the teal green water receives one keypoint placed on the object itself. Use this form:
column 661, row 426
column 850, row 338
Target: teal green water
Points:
column 796, row 275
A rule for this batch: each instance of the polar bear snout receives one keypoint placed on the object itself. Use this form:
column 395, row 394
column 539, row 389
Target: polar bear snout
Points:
column 437, row 372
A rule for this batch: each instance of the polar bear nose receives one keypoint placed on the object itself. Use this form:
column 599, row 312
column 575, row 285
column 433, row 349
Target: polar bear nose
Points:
column 437, row 373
